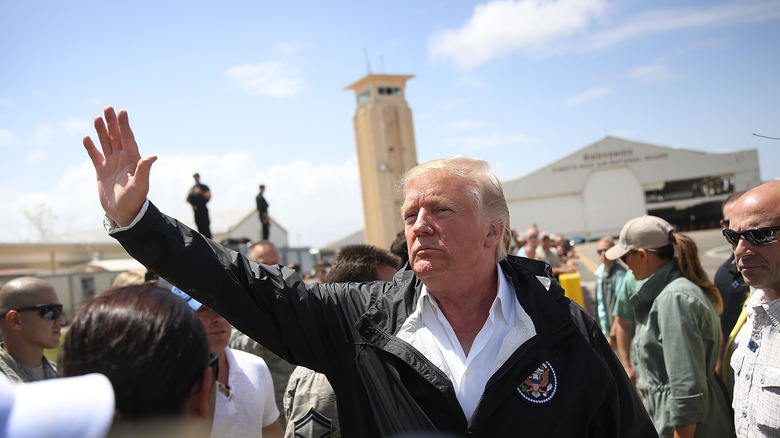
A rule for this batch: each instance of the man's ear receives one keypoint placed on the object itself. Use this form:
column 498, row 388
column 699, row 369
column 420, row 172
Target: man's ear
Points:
column 495, row 234
column 14, row 319
column 202, row 396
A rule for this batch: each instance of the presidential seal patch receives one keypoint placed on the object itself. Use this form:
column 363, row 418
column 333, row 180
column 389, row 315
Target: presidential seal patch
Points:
column 540, row 387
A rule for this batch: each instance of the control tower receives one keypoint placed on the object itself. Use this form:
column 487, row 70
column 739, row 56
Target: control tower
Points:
column 384, row 134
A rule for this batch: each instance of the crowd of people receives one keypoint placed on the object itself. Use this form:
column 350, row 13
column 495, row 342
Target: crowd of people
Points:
column 460, row 328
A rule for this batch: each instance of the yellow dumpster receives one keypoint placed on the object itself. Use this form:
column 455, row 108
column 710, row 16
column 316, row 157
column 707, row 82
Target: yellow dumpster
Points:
column 571, row 285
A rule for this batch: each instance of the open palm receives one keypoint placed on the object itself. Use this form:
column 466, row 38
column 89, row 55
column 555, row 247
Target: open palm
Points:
column 122, row 176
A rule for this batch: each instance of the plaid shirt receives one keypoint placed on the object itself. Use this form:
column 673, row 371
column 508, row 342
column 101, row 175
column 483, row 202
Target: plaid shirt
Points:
column 756, row 364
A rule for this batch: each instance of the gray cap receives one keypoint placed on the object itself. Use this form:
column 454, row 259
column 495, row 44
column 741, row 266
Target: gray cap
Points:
column 642, row 232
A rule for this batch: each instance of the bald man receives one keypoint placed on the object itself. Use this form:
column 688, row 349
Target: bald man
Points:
column 752, row 232
column 264, row 252
column 31, row 319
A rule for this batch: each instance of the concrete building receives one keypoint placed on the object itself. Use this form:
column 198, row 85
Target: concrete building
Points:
column 384, row 134
column 592, row 192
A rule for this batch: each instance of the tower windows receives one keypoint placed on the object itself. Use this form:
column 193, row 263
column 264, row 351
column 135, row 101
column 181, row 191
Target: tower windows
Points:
column 364, row 95
column 389, row 91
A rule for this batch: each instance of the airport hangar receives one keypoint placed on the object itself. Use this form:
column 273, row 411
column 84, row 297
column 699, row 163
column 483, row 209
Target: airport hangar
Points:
column 592, row 192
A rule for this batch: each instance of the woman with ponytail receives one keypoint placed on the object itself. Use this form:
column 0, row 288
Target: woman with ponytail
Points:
column 677, row 331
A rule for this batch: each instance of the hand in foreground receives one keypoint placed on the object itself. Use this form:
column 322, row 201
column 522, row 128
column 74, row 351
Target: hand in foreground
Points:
column 122, row 176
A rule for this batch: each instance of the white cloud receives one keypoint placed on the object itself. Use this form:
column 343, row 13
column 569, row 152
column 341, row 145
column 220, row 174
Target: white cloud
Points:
column 71, row 199
column 499, row 28
column 43, row 133
column 46, row 133
column 666, row 20
column 593, row 93
column 36, row 156
column 476, row 142
column 465, row 124
column 73, row 125
column 542, row 28
column 285, row 47
column 273, row 78
column 319, row 204
column 451, row 104
column 6, row 137
column 472, row 82
column 656, row 71
column 316, row 203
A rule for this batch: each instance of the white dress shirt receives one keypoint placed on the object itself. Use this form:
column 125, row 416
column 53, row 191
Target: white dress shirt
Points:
column 507, row 327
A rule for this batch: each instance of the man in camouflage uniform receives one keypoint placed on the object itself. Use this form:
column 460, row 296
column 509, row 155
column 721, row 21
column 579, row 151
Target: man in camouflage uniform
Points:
column 309, row 401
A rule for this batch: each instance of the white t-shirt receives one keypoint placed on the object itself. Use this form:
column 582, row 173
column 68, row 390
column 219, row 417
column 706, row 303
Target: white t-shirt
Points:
column 250, row 406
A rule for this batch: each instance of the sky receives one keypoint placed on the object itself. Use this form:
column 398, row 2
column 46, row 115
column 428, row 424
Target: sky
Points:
column 251, row 92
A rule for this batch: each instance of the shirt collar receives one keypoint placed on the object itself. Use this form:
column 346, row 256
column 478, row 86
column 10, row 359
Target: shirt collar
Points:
column 233, row 366
column 758, row 299
column 502, row 306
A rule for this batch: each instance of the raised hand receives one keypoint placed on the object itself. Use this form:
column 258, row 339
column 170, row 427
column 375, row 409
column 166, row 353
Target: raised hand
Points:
column 122, row 176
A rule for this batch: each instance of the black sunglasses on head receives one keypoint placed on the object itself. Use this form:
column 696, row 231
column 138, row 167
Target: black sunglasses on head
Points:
column 756, row 236
column 47, row 311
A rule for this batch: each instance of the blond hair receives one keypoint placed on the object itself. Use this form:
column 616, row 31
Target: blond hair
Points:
column 127, row 278
column 484, row 191
column 607, row 239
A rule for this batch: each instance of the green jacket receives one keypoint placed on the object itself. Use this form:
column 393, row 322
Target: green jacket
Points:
column 608, row 284
column 676, row 346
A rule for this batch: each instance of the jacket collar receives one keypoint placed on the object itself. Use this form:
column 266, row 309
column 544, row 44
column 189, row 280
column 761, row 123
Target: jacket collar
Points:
column 542, row 303
column 528, row 277
column 654, row 285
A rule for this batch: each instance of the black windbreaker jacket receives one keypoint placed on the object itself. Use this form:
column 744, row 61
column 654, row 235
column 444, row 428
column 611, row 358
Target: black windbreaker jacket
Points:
column 563, row 382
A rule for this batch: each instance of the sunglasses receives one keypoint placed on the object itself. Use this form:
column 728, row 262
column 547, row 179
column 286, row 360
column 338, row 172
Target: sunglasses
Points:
column 47, row 311
column 601, row 251
column 756, row 236
column 624, row 257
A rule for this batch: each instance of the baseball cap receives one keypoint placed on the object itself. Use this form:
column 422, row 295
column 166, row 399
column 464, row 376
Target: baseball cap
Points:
column 641, row 232
column 78, row 407
column 192, row 302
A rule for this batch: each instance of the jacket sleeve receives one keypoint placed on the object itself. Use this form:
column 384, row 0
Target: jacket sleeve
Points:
column 310, row 326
